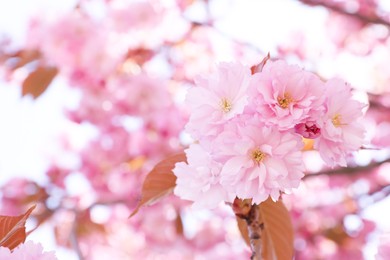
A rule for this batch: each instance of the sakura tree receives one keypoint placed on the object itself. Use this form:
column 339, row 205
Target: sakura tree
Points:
column 204, row 141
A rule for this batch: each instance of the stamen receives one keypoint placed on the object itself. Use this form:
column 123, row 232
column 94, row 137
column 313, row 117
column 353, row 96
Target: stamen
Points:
column 336, row 120
column 258, row 156
column 285, row 101
column 226, row 105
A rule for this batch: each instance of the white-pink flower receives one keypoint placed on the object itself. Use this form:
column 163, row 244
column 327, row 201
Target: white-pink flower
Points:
column 259, row 161
column 27, row 251
column 341, row 129
column 199, row 180
column 217, row 99
column 285, row 95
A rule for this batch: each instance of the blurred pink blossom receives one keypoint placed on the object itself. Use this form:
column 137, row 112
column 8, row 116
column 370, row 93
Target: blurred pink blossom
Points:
column 28, row 250
column 384, row 247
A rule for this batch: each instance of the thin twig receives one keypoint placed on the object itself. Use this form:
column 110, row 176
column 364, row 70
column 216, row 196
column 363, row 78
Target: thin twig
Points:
column 347, row 170
column 376, row 101
column 379, row 194
column 255, row 227
column 251, row 214
column 226, row 35
column 74, row 239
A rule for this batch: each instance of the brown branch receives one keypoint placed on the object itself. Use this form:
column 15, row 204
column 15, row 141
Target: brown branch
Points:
column 347, row 170
column 254, row 231
column 338, row 9
column 251, row 214
column 378, row 101
column 376, row 195
column 379, row 194
column 74, row 239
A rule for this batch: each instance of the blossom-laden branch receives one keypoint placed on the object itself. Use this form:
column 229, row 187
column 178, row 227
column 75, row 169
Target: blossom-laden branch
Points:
column 250, row 121
column 335, row 7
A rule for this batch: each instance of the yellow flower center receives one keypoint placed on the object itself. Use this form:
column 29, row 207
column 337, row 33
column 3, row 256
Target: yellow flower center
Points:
column 226, row 105
column 258, row 156
column 285, row 101
column 336, row 120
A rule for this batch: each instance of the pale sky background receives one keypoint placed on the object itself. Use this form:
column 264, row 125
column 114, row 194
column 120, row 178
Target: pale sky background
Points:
column 29, row 128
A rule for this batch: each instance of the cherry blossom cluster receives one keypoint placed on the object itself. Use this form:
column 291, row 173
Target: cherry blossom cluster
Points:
column 249, row 130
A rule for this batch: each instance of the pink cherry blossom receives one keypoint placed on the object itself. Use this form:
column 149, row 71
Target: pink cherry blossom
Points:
column 111, row 49
column 308, row 130
column 199, row 180
column 341, row 129
column 76, row 44
column 217, row 98
column 245, row 123
column 285, row 95
column 259, row 161
column 142, row 93
column 384, row 247
column 29, row 250
column 137, row 15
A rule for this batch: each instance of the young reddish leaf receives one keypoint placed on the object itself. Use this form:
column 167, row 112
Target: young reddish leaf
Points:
column 38, row 81
column 277, row 235
column 243, row 227
column 160, row 181
column 13, row 230
column 140, row 55
column 242, row 207
column 179, row 225
column 259, row 67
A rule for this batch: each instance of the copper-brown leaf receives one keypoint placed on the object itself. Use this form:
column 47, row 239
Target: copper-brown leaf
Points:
column 13, row 230
column 38, row 81
column 24, row 57
column 277, row 234
column 259, row 67
column 160, row 181
column 179, row 225
column 243, row 227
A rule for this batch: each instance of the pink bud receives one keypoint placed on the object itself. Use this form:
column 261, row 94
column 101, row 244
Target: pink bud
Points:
column 308, row 130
